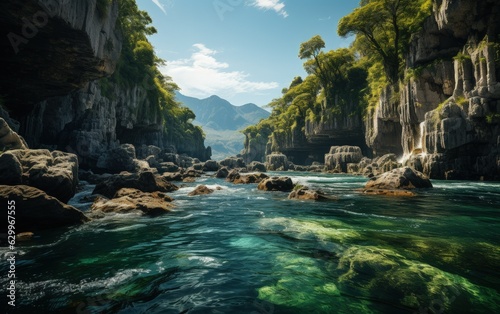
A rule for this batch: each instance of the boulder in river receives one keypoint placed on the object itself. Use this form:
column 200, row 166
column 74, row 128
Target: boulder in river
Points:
column 222, row 173
column 203, row 190
column 283, row 184
column 304, row 193
column 232, row 162
column 211, row 165
column 144, row 181
column 128, row 200
column 404, row 178
column 35, row 210
column 237, row 178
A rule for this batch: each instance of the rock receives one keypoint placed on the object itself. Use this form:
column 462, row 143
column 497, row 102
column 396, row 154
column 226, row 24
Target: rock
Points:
column 10, row 139
column 237, row 178
column 257, row 166
column 148, row 150
column 55, row 173
column 300, row 168
column 399, row 179
column 35, row 210
column 304, row 193
column 233, row 163
column 340, row 156
column 128, row 200
column 152, row 162
column 198, row 166
column 189, row 180
column 201, row 190
column 118, row 159
column 412, row 284
column 11, row 172
column 397, row 193
column 277, row 162
column 283, row 184
column 222, row 173
column 178, row 176
column 168, row 167
column 211, row 165
column 145, row 182
column 185, row 161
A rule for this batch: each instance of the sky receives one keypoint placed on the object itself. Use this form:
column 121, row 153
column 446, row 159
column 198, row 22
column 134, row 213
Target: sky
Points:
column 245, row 51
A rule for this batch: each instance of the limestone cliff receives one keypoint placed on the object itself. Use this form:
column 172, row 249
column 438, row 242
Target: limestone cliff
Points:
column 59, row 56
column 51, row 47
column 450, row 103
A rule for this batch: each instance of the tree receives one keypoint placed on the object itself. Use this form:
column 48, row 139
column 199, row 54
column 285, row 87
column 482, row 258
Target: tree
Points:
column 333, row 71
column 384, row 27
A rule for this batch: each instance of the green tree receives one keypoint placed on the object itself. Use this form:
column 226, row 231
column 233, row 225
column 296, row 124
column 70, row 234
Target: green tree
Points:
column 384, row 27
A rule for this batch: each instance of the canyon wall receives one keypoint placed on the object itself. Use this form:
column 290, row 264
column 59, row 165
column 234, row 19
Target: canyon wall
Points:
column 58, row 56
column 449, row 105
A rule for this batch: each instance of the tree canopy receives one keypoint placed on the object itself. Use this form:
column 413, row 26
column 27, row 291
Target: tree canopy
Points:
column 383, row 29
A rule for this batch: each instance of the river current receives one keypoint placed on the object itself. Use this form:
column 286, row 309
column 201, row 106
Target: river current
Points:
column 240, row 250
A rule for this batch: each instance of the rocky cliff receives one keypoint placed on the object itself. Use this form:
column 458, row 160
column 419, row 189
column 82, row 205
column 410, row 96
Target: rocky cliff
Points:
column 449, row 104
column 59, row 56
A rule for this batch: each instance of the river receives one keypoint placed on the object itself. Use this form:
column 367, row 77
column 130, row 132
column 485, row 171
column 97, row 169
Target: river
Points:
column 240, row 250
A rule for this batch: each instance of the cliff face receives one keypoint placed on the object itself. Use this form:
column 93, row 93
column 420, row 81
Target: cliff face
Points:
column 309, row 139
column 51, row 47
column 57, row 55
column 448, row 111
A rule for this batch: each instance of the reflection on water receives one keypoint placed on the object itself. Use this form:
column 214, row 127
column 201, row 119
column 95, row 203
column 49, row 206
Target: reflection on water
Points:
column 240, row 250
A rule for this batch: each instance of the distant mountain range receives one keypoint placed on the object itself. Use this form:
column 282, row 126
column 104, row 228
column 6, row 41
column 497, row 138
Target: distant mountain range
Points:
column 222, row 122
column 219, row 114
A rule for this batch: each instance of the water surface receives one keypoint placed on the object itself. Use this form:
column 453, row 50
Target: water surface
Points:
column 241, row 250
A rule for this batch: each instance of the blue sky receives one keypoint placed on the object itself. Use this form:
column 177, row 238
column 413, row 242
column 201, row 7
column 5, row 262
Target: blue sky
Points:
column 241, row 50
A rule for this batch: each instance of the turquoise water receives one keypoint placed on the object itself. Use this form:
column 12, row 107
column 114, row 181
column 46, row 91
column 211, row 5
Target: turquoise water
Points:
column 240, row 250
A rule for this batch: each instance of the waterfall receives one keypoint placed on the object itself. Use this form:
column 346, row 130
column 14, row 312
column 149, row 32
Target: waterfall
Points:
column 418, row 149
column 421, row 136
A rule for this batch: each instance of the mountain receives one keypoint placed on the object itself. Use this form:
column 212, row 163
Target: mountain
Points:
column 219, row 114
column 221, row 121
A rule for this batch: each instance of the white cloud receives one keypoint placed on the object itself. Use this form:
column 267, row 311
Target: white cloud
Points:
column 202, row 75
column 160, row 5
column 276, row 5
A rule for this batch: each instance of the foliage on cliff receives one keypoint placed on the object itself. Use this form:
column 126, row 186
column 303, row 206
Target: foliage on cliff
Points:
column 139, row 66
column 383, row 30
column 333, row 88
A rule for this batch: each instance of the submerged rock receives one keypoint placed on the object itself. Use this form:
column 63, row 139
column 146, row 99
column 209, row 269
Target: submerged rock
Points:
column 385, row 275
column 405, row 178
column 35, row 210
column 283, row 184
column 144, row 181
column 128, row 200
